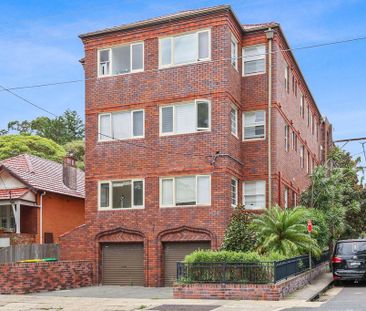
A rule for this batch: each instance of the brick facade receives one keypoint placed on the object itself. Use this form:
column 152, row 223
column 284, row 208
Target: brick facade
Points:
column 25, row 278
column 247, row 291
column 155, row 156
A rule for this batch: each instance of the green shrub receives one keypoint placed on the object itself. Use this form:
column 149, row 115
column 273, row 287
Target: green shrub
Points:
column 239, row 235
column 217, row 266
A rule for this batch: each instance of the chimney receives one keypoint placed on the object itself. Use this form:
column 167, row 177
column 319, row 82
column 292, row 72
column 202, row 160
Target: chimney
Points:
column 70, row 172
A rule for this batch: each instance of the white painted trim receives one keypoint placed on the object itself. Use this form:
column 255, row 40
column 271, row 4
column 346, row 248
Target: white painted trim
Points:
column 174, row 194
column 110, row 208
column 197, row 130
column 111, row 125
column 243, row 126
column 259, row 57
column 236, row 134
column 237, row 191
column 111, row 59
column 161, row 66
column 265, row 196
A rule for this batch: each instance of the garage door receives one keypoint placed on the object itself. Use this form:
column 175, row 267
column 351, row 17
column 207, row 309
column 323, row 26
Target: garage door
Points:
column 176, row 251
column 123, row 264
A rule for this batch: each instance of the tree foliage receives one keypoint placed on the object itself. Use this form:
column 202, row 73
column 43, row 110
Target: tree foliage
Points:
column 334, row 190
column 62, row 129
column 12, row 145
column 239, row 236
column 284, row 231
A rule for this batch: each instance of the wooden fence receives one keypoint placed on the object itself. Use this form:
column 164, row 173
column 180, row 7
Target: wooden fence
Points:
column 15, row 253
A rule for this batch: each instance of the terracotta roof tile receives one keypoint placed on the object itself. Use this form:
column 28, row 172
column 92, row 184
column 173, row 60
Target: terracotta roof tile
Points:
column 43, row 174
column 12, row 193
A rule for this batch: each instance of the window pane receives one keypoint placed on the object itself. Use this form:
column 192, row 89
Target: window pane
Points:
column 259, row 131
column 104, row 62
column 202, row 115
column 203, row 190
column 121, row 123
column 121, row 59
column 121, row 194
column 105, row 127
column 203, row 47
column 185, row 118
column 249, row 132
column 254, row 66
column 167, row 192
column 259, row 116
column 185, row 49
column 234, row 53
column 138, row 193
column 254, row 52
column 165, row 45
column 167, row 120
column 104, row 195
column 104, row 56
column 234, row 192
column 185, row 190
column 138, row 123
column 234, row 121
column 254, row 194
column 137, row 56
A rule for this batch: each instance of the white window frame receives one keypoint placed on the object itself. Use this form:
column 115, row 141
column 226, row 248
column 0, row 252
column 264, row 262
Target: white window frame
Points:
column 264, row 123
column 287, row 137
column 236, row 191
column 110, row 207
column 234, row 54
column 100, row 137
column 232, row 107
column 286, row 197
column 111, row 59
column 302, row 156
column 161, row 66
column 287, row 78
column 265, row 195
column 259, row 57
column 302, row 106
column 197, row 129
column 161, row 205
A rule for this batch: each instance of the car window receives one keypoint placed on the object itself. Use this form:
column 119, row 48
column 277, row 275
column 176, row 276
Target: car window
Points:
column 351, row 248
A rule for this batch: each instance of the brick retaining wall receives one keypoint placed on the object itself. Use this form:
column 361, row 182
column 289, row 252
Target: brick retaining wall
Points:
column 247, row 291
column 23, row 278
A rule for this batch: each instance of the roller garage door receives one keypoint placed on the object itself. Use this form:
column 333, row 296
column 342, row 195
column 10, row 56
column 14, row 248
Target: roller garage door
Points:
column 176, row 251
column 123, row 264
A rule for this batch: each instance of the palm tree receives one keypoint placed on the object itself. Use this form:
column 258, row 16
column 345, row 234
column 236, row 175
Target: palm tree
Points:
column 284, row 231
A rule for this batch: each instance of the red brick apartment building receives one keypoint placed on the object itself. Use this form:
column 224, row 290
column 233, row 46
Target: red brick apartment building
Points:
column 187, row 115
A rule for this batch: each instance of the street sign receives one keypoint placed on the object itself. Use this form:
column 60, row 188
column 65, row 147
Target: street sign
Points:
column 310, row 226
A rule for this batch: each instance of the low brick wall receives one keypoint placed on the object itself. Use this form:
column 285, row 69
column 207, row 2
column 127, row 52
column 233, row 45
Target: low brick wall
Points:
column 246, row 291
column 23, row 278
column 19, row 238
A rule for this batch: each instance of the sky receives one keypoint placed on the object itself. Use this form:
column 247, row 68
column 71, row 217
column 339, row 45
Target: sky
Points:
column 39, row 44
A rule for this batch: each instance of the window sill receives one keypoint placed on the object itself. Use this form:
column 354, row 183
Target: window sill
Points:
column 120, row 74
column 119, row 209
column 235, row 135
column 161, row 67
column 254, row 74
column 254, row 139
column 120, row 139
column 185, row 206
column 179, row 134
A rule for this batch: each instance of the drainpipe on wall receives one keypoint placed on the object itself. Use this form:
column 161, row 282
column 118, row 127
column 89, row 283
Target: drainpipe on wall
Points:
column 41, row 217
column 269, row 35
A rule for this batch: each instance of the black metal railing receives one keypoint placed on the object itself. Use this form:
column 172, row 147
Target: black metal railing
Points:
column 245, row 273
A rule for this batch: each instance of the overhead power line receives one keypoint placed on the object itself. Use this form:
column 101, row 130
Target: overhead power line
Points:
column 349, row 139
column 313, row 46
column 27, row 101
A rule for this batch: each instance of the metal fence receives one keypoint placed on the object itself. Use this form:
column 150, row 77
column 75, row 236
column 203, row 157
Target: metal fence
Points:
column 244, row 273
column 16, row 253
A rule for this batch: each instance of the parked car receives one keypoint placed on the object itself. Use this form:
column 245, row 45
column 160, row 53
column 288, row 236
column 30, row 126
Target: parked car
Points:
column 348, row 261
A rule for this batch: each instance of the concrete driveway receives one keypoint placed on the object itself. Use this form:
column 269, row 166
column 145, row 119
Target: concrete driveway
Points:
column 136, row 292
